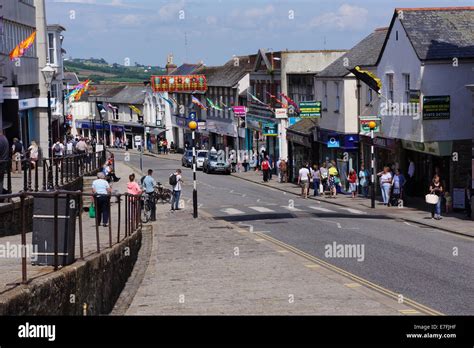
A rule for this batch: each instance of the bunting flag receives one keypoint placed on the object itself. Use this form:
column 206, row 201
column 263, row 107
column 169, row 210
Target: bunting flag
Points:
column 256, row 99
column 173, row 100
column 198, row 103
column 277, row 100
column 77, row 89
column 368, row 78
column 167, row 100
column 81, row 91
column 111, row 107
column 22, row 47
column 222, row 103
column 135, row 109
column 214, row 106
column 291, row 102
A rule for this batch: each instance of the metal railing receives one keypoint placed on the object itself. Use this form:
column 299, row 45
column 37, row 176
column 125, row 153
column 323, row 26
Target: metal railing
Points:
column 126, row 203
column 49, row 174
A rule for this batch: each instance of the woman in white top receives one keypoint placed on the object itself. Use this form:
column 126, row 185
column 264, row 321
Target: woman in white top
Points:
column 385, row 184
column 33, row 153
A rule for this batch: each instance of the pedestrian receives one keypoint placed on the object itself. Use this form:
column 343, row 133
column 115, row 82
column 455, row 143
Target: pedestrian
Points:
column 316, row 179
column 270, row 163
column 101, row 190
column 324, row 176
column 58, row 152
column 33, row 154
column 176, row 181
column 385, row 184
column 265, row 169
column 310, row 178
column 246, row 162
column 4, row 160
column 132, row 186
column 332, row 176
column 398, row 184
column 17, row 152
column 436, row 188
column 165, row 146
column 69, row 148
column 149, row 187
column 284, row 171
column 364, row 181
column 303, row 180
column 277, row 167
column 109, row 173
column 352, row 182
column 232, row 160
column 411, row 177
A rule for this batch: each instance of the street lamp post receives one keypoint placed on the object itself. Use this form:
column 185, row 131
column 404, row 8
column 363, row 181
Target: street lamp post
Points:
column 372, row 126
column 102, row 117
column 48, row 74
column 192, row 126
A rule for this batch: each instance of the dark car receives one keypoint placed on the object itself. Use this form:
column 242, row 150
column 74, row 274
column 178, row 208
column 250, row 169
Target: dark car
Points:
column 187, row 159
column 215, row 164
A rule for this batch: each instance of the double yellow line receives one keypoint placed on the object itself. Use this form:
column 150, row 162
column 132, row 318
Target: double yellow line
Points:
column 418, row 306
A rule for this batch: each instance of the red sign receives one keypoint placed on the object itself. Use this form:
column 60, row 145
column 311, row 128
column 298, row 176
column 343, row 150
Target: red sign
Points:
column 240, row 111
column 183, row 83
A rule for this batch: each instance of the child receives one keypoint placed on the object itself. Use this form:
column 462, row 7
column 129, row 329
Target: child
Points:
column 449, row 202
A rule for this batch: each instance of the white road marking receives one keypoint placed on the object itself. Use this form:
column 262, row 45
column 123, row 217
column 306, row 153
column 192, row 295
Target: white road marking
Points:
column 291, row 208
column 262, row 209
column 337, row 224
column 322, row 209
column 232, row 211
column 354, row 211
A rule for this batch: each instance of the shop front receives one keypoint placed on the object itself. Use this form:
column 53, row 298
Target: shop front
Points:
column 263, row 133
column 301, row 147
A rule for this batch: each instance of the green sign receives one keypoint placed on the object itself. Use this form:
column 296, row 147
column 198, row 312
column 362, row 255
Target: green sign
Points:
column 270, row 129
column 310, row 109
column 364, row 124
column 435, row 108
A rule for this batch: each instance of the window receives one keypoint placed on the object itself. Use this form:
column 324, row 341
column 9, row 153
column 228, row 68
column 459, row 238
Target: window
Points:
column 338, row 99
column 325, row 92
column 406, row 79
column 370, row 96
column 390, row 95
column 51, row 49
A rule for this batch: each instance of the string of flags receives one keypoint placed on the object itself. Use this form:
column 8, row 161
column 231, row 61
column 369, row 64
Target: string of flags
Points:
column 135, row 109
column 79, row 90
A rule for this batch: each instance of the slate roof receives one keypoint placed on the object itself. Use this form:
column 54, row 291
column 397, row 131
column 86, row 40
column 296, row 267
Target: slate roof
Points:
column 186, row 69
column 439, row 33
column 304, row 126
column 130, row 95
column 71, row 78
column 365, row 53
column 228, row 75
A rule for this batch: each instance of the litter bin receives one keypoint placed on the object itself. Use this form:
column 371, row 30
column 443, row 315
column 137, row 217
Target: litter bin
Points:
column 43, row 230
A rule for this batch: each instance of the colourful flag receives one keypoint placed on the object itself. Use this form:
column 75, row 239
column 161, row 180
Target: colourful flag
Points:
column 21, row 48
column 167, row 100
column 83, row 89
column 258, row 100
column 135, row 109
column 173, row 100
column 214, row 106
column 277, row 100
column 368, row 78
column 198, row 103
column 291, row 102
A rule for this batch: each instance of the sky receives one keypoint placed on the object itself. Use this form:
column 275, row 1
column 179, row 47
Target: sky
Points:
column 212, row 31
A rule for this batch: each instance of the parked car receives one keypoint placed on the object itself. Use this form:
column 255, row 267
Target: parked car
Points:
column 201, row 156
column 187, row 159
column 215, row 164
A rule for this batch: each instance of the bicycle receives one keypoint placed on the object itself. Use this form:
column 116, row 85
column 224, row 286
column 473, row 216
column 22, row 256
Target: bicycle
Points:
column 162, row 193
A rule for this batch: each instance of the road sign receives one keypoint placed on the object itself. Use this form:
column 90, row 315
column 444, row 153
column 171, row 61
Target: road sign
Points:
column 364, row 124
column 201, row 125
column 310, row 109
column 192, row 116
column 138, row 140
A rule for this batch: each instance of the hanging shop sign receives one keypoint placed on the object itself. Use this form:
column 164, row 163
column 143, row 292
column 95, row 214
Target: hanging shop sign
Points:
column 364, row 121
column 415, row 96
column 239, row 111
column 270, row 129
column 281, row 113
column 436, row 108
column 293, row 120
column 310, row 109
column 179, row 83
column 333, row 142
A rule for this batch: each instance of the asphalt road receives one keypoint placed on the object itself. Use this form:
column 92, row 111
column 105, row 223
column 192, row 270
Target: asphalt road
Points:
column 431, row 267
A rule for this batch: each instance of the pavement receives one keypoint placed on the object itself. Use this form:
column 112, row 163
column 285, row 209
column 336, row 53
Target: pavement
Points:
column 426, row 265
column 10, row 267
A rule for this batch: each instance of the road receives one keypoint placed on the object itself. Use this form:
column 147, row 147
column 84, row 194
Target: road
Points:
column 431, row 267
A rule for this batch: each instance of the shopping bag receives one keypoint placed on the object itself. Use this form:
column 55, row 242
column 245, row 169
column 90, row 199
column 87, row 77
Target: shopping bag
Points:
column 92, row 211
column 321, row 188
column 431, row 198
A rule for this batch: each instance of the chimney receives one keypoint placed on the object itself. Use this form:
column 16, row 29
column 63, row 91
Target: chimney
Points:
column 170, row 67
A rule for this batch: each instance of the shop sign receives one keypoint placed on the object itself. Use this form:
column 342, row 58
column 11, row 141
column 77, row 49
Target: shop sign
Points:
column 270, row 129
column 239, row 111
column 436, row 108
column 31, row 103
column 458, row 198
column 310, row 109
column 436, row 148
column 293, row 120
column 364, row 128
column 201, row 125
column 11, row 93
column 281, row 113
column 415, row 96
column 333, row 142
column 298, row 139
column 179, row 83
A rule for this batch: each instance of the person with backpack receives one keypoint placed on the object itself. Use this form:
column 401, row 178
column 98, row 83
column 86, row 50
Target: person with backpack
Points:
column 149, row 187
column 175, row 181
column 265, row 169
column 17, row 153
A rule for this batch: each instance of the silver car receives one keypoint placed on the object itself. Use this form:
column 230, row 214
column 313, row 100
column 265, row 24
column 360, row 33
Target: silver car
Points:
column 215, row 164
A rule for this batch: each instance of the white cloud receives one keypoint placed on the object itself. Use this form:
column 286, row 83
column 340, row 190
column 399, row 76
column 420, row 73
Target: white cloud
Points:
column 171, row 10
column 111, row 3
column 211, row 20
column 258, row 12
column 347, row 17
column 131, row 20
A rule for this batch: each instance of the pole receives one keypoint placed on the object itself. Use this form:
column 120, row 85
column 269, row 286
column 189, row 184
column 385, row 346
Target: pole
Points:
column 195, row 208
column 50, row 143
column 141, row 158
column 372, row 156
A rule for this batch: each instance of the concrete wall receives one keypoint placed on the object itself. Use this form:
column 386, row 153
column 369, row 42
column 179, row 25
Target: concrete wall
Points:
column 96, row 281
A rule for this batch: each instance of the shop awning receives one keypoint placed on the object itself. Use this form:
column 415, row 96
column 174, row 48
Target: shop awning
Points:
column 301, row 132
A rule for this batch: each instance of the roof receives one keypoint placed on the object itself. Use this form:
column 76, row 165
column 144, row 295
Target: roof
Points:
column 56, row 27
column 305, row 126
column 438, row 32
column 186, row 69
column 71, row 78
column 229, row 74
column 130, row 95
column 365, row 53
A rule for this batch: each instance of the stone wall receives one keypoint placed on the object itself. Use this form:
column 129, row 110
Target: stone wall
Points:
column 10, row 214
column 97, row 282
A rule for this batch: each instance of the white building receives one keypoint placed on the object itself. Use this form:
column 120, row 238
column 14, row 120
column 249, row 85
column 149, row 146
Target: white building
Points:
column 428, row 58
